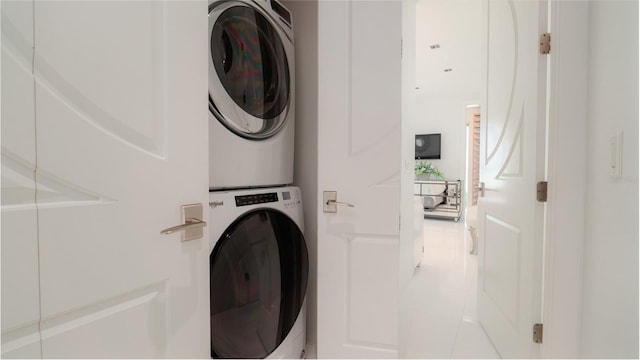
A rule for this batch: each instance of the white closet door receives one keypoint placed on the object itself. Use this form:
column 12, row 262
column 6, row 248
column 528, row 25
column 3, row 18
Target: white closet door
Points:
column 121, row 119
column 20, row 292
column 359, row 135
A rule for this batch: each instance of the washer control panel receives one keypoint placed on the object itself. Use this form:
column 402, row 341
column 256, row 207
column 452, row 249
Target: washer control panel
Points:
column 291, row 198
column 253, row 199
column 288, row 198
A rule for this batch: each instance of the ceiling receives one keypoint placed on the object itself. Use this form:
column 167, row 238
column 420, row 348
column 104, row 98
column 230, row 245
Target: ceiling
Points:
column 456, row 26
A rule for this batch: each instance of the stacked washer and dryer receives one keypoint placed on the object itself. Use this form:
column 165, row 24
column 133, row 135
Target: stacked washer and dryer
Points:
column 258, row 262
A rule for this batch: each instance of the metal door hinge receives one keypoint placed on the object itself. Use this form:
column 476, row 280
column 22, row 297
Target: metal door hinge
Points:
column 542, row 191
column 545, row 43
column 537, row 333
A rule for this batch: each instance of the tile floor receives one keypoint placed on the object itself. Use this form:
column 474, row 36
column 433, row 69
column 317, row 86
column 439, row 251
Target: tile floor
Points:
column 438, row 307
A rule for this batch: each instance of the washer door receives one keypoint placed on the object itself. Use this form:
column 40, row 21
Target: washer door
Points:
column 259, row 270
column 249, row 78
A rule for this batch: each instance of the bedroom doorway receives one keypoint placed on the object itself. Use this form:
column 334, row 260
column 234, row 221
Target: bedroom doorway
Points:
column 439, row 318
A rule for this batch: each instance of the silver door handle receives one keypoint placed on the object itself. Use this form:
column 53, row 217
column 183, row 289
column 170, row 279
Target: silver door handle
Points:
column 333, row 202
column 480, row 188
column 192, row 227
column 189, row 223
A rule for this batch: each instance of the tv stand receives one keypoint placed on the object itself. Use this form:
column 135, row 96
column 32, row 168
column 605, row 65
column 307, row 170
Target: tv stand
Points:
column 441, row 198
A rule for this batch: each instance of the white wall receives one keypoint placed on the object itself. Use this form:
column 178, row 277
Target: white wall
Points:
column 610, row 279
column 441, row 96
column 447, row 116
column 305, row 22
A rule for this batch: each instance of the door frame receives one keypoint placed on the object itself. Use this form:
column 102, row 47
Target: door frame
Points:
column 566, row 157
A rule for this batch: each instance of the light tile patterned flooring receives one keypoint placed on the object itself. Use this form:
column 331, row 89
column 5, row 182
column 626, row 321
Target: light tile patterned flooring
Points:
column 438, row 316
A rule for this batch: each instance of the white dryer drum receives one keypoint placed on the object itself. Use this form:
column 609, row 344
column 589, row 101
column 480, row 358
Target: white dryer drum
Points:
column 259, row 270
column 251, row 94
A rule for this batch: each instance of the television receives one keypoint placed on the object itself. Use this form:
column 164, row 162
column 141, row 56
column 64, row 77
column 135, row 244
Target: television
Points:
column 427, row 146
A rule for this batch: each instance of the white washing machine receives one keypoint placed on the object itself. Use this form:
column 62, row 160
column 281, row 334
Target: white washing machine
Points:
column 251, row 94
column 259, row 268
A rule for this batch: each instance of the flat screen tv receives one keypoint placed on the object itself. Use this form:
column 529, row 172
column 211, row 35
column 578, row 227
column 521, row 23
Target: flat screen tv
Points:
column 428, row 146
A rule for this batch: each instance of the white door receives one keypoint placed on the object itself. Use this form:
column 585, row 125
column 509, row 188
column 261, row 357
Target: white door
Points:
column 512, row 161
column 120, row 127
column 359, row 158
column 20, row 283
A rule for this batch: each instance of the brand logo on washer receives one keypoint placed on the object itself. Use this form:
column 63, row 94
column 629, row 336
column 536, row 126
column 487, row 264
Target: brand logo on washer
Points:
column 215, row 204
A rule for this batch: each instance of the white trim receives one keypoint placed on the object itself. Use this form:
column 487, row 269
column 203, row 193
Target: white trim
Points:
column 566, row 173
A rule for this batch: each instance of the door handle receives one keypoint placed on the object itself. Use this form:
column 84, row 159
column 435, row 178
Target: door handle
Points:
column 189, row 223
column 480, row 188
column 192, row 226
column 331, row 203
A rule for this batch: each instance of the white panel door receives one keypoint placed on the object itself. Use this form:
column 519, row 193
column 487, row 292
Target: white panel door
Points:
column 359, row 157
column 512, row 161
column 121, row 130
column 20, row 292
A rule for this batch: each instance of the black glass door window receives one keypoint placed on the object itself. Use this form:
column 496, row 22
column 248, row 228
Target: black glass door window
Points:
column 251, row 62
column 259, row 270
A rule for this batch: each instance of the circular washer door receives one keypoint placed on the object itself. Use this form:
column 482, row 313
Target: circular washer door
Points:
column 259, row 270
column 249, row 75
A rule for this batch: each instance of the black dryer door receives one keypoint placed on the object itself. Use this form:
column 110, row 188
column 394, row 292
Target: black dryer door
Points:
column 249, row 79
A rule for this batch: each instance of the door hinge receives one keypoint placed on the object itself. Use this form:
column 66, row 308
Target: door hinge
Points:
column 537, row 333
column 541, row 194
column 545, row 43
